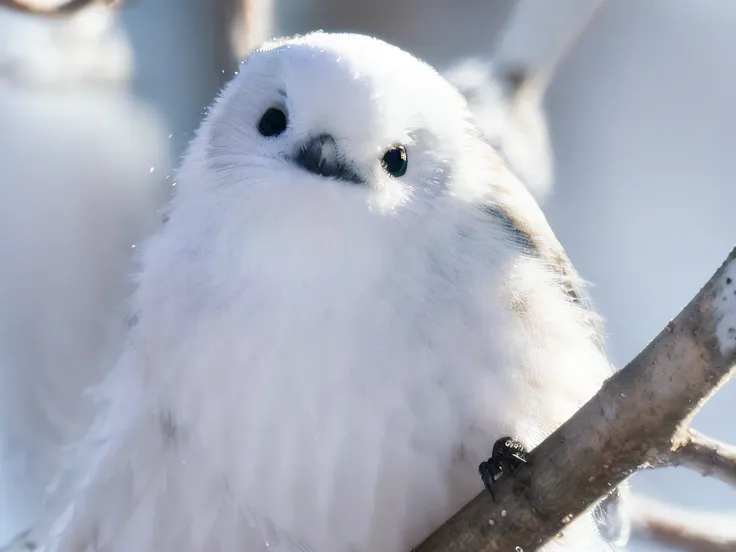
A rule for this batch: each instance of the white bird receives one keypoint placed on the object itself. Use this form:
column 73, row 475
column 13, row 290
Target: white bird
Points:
column 352, row 300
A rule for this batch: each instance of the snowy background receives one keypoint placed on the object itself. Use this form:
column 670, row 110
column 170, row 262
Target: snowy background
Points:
column 641, row 122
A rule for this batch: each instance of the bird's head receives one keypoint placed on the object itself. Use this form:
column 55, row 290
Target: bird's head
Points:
column 339, row 114
column 331, row 155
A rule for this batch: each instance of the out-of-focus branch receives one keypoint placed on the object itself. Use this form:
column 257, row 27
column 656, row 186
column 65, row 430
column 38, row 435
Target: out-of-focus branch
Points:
column 21, row 543
column 641, row 411
column 691, row 531
column 64, row 9
column 253, row 25
column 505, row 89
column 537, row 37
column 707, row 456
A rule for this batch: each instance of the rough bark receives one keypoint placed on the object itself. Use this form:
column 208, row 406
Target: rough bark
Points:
column 707, row 456
column 640, row 414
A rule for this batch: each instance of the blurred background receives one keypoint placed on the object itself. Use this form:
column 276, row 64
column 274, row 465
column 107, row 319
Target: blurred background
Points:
column 619, row 116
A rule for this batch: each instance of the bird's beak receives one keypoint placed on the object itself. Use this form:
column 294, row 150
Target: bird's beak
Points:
column 320, row 155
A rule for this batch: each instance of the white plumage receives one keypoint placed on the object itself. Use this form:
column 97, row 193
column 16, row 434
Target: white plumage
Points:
column 321, row 362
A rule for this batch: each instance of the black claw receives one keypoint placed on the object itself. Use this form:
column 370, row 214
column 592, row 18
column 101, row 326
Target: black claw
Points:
column 507, row 457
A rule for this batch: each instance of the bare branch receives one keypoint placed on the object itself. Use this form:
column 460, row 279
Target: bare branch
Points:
column 538, row 36
column 640, row 411
column 65, row 9
column 693, row 531
column 506, row 94
column 707, row 456
column 253, row 26
column 21, row 543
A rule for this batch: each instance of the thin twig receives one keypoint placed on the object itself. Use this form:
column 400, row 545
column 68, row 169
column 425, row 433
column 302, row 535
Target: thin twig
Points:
column 643, row 409
column 253, row 24
column 506, row 91
column 63, row 10
column 20, row 543
column 688, row 530
column 537, row 37
column 706, row 456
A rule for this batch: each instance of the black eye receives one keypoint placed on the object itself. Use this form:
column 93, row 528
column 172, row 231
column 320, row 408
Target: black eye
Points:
column 394, row 161
column 273, row 122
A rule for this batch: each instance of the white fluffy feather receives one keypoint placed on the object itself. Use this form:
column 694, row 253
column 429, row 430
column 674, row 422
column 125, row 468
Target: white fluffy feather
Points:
column 321, row 364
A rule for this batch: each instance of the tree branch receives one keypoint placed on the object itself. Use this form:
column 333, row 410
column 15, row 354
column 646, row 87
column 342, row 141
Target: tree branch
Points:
column 506, row 94
column 537, row 37
column 65, row 9
column 639, row 412
column 252, row 24
column 707, row 456
column 693, row 531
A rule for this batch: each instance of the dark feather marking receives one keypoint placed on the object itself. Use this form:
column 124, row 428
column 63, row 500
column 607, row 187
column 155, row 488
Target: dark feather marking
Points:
column 562, row 265
column 515, row 231
column 169, row 428
column 525, row 239
column 131, row 321
column 551, row 253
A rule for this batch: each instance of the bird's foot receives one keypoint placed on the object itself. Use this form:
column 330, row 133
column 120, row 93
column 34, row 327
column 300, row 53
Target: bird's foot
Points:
column 507, row 457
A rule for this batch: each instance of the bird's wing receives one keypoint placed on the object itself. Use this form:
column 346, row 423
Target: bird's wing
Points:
column 516, row 211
